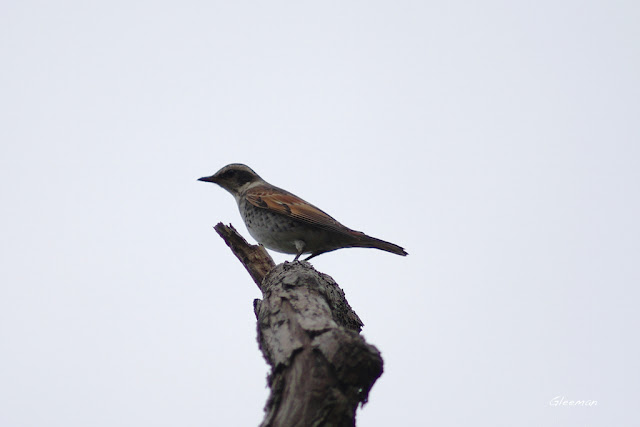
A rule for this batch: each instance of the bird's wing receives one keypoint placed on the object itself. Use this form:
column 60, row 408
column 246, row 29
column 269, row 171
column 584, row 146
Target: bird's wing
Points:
column 287, row 204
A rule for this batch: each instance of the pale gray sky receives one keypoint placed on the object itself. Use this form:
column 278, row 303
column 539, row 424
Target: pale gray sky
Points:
column 498, row 142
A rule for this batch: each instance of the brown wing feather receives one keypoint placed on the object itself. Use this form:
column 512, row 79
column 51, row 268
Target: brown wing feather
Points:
column 285, row 203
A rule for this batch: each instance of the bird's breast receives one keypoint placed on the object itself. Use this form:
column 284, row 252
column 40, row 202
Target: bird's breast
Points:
column 276, row 232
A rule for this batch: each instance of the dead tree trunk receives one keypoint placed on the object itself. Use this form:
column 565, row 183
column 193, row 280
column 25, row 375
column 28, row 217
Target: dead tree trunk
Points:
column 321, row 367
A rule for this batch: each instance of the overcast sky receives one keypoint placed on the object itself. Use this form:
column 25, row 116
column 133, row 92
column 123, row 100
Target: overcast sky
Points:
column 497, row 141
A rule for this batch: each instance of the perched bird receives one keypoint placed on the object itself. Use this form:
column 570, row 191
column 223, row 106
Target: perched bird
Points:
column 284, row 222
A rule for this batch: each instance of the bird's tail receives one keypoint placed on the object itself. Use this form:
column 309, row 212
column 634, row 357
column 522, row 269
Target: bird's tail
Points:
column 364, row 241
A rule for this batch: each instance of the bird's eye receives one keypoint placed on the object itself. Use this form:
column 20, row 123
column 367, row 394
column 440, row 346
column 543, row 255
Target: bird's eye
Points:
column 230, row 174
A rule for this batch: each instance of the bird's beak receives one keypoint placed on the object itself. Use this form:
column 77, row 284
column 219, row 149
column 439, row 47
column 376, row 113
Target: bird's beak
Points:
column 211, row 178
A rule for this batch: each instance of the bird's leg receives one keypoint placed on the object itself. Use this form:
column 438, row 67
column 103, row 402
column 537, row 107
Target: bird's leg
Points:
column 300, row 245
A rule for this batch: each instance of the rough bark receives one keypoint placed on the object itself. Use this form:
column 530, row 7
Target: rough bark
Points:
column 321, row 367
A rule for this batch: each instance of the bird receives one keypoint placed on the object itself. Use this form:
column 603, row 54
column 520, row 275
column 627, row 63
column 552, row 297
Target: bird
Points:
column 285, row 223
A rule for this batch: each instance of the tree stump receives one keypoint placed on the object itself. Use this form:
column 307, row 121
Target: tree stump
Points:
column 321, row 367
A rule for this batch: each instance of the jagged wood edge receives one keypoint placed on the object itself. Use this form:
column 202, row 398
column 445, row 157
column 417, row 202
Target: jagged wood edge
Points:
column 255, row 258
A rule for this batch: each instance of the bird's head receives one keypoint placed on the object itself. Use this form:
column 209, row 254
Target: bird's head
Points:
column 235, row 178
